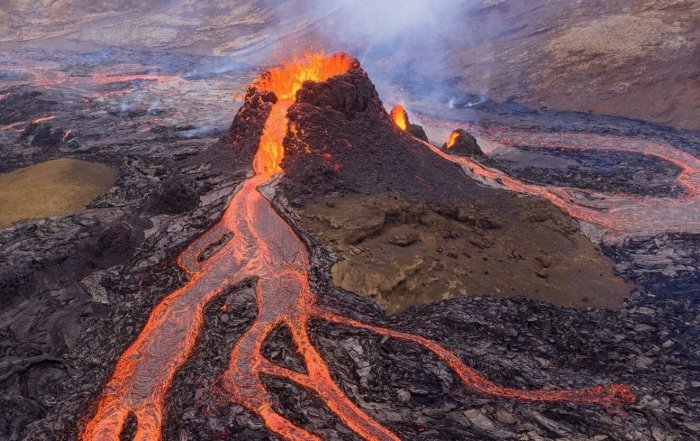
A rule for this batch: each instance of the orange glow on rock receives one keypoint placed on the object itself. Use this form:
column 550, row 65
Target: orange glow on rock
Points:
column 43, row 119
column 14, row 126
column 619, row 214
column 399, row 116
column 263, row 245
column 285, row 81
column 67, row 135
column 453, row 138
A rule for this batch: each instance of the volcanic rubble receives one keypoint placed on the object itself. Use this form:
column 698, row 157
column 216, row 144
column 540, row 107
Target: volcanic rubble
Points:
column 597, row 171
column 76, row 289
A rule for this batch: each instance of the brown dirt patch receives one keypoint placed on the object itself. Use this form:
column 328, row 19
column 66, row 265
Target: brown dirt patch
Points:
column 405, row 252
column 60, row 186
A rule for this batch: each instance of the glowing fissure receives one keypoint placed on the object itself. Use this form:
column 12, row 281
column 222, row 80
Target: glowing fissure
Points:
column 620, row 214
column 43, row 119
column 263, row 245
column 19, row 125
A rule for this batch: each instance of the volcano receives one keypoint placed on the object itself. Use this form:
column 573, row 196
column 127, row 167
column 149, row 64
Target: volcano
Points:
column 313, row 127
column 489, row 230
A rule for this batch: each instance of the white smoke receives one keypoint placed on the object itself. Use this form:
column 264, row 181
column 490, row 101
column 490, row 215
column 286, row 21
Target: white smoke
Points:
column 405, row 45
column 368, row 25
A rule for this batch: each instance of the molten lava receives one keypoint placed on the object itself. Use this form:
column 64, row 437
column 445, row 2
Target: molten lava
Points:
column 14, row 126
column 67, row 135
column 452, row 139
column 43, row 119
column 620, row 215
column 285, row 81
column 264, row 246
column 399, row 116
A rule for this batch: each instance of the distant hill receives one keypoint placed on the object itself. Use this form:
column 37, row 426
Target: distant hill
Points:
column 635, row 59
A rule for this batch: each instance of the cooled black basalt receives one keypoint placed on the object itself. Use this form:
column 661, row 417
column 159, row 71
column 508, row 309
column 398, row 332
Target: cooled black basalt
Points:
column 76, row 289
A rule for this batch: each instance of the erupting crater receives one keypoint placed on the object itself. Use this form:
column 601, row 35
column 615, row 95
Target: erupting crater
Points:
column 399, row 116
column 265, row 247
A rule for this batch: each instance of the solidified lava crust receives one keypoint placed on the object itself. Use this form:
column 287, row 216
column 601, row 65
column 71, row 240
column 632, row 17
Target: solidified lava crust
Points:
column 75, row 290
column 264, row 247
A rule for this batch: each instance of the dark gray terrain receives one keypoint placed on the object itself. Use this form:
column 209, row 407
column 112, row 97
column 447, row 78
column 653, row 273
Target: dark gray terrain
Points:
column 76, row 289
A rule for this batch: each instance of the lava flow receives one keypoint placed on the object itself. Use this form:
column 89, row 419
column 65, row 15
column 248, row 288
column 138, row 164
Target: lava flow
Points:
column 44, row 119
column 452, row 139
column 619, row 215
column 264, row 246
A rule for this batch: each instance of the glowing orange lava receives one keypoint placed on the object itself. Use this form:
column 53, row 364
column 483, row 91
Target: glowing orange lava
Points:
column 620, row 215
column 67, row 135
column 14, row 126
column 285, row 81
column 46, row 75
column 399, row 116
column 263, row 245
column 43, row 119
column 452, row 139
column 104, row 78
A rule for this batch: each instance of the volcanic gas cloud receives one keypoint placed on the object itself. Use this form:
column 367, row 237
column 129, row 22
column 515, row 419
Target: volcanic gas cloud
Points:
column 263, row 246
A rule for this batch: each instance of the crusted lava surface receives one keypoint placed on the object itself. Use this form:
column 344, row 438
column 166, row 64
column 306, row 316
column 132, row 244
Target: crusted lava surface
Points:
column 598, row 171
column 344, row 151
column 78, row 288
column 342, row 140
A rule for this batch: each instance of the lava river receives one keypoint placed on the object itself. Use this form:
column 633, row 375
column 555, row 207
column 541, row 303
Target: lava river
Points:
column 618, row 215
column 265, row 247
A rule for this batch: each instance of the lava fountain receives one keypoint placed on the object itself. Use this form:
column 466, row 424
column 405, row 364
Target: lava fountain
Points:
column 399, row 116
column 264, row 246
column 452, row 139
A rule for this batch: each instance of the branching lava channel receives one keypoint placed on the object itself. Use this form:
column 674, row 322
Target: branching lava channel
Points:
column 265, row 246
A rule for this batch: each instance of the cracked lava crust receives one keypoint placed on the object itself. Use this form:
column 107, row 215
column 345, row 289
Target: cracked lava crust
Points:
column 264, row 247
